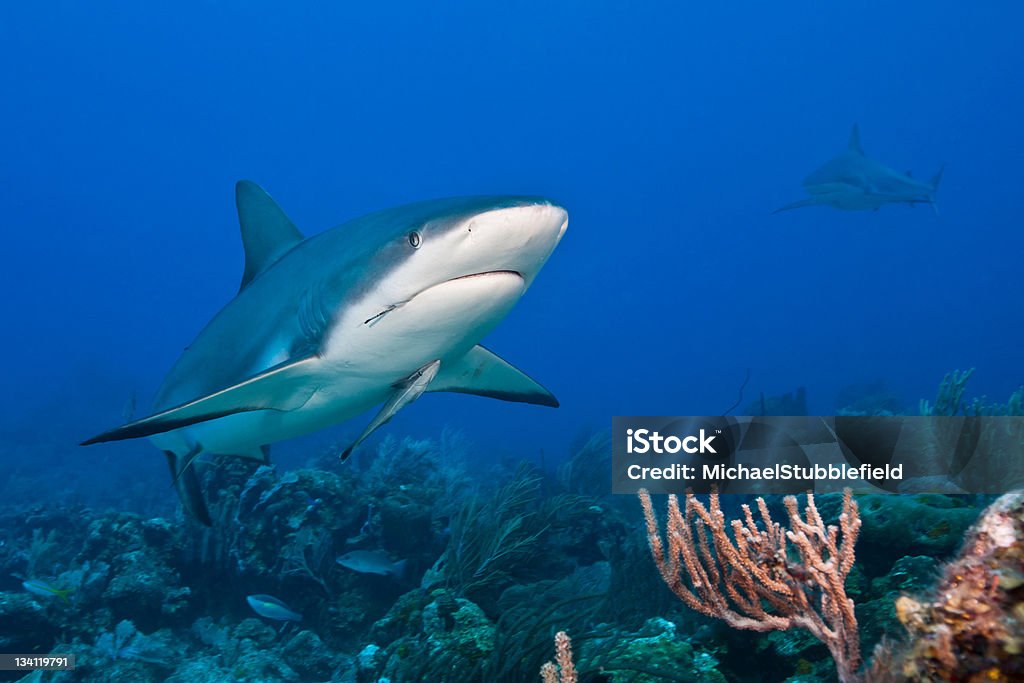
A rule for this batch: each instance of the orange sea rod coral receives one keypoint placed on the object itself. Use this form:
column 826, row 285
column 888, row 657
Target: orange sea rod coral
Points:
column 746, row 578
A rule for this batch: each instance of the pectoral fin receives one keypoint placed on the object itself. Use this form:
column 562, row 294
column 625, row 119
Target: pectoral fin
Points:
column 283, row 387
column 406, row 391
column 483, row 373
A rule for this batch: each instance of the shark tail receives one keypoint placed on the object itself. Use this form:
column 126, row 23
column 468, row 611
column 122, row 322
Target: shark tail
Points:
column 186, row 483
column 936, row 179
column 810, row 201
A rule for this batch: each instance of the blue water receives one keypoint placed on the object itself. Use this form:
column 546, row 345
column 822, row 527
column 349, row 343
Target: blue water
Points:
column 669, row 130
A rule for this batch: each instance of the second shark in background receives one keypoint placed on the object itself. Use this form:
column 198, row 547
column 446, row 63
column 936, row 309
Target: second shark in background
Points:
column 855, row 182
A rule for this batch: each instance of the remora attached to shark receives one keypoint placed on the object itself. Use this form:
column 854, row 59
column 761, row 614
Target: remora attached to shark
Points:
column 378, row 310
column 854, row 182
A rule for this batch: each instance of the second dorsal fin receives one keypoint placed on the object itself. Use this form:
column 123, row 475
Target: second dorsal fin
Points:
column 267, row 233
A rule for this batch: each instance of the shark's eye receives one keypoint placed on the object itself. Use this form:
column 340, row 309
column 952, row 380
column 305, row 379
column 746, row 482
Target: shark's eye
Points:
column 415, row 240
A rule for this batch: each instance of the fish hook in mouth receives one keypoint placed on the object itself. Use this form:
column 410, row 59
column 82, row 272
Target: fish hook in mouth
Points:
column 374, row 319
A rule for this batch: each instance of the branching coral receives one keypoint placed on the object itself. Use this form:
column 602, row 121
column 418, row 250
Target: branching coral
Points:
column 747, row 580
column 950, row 400
column 562, row 670
column 42, row 553
column 987, row 454
column 308, row 555
column 126, row 642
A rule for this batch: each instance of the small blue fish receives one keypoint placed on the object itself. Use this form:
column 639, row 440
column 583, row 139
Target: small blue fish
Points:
column 45, row 590
column 270, row 607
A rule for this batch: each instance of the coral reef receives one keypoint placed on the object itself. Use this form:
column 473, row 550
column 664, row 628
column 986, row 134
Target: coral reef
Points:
column 971, row 627
column 562, row 670
column 987, row 457
column 655, row 652
column 896, row 526
column 747, row 580
column 871, row 398
column 949, row 401
column 495, row 570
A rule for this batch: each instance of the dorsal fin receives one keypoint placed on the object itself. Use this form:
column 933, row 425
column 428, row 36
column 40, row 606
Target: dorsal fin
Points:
column 854, row 144
column 267, row 233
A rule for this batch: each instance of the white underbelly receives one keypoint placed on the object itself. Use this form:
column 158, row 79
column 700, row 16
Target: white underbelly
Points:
column 441, row 322
column 243, row 433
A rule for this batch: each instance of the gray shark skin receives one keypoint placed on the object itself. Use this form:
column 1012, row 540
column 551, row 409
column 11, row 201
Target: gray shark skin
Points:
column 854, row 182
column 378, row 310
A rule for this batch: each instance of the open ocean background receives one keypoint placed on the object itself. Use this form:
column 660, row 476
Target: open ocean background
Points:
column 669, row 130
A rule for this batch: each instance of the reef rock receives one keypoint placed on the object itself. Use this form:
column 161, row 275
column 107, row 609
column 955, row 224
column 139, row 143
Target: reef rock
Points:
column 972, row 626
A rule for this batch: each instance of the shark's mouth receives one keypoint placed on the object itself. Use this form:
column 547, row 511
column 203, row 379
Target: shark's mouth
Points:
column 372, row 320
column 487, row 273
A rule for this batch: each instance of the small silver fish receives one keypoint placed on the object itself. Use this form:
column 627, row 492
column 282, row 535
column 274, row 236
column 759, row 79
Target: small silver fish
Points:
column 270, row 607
column 372, row 562
column 45, row 590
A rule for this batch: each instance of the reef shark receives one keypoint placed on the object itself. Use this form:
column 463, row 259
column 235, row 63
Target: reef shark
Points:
column 854, row 182
column 378, row 310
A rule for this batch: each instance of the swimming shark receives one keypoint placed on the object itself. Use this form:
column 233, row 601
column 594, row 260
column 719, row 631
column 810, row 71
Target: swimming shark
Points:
column 854, row 182
column 379, row 310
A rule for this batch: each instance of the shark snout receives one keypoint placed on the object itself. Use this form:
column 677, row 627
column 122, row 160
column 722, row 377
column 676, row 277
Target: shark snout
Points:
column 561, row 219
column 540, row 220
column 549, row 219
column 547, row 222
column 516, row 238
